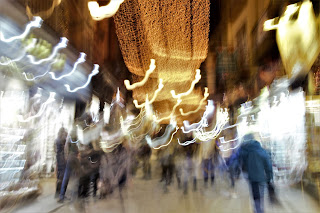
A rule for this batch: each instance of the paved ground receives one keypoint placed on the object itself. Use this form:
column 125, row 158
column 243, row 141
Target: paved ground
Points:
column 145, row 196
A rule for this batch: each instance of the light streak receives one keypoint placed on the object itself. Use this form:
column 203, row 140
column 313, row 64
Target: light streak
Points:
column 158, row 142
column 92, row 161
column 152, row 67
column 80, row 60
column 202, row 123
column 270, row 24
column 206, row 95
column 62, row 44
column 46, row 13
column 35, row 23
column 186, row 143
column 41, row 110
column 30, row 46
column 171, row 114
column 224, row 142
column 99, row 13
column 94, row 72
column 40, row 76
column 177, row 128
column 71, row 141
column 194, row 82
column 222, row 119
column 160, row 87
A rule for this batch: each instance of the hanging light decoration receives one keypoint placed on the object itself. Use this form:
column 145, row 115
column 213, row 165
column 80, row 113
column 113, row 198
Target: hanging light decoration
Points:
column 175, row 34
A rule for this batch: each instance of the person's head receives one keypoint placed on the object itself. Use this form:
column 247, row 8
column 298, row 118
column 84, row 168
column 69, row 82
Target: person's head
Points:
column 61, row 133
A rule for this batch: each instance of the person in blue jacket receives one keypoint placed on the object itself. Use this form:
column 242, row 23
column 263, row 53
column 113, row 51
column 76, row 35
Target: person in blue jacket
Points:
column 256, row 164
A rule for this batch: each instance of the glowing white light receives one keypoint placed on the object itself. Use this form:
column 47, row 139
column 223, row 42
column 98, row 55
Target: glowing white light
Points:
column 159, row 142
column 30, row 46
column 226, row 142
column 194, row 82
column 62, row 44
column 118, row 95
column 94, row 72
column 152, row 67
column 41, row 110
column 99, row 13
column 160, row 87
column 36, row 23
column 80, row 60
column 222, row 119
column 187, row 128
column 206, row 95
column 186, row 143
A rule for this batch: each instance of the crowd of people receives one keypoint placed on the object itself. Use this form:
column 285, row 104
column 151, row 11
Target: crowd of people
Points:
column 94, row 170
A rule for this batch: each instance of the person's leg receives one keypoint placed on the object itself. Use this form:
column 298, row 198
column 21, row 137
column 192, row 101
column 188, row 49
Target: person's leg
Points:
column 205, row 169
column 60, row 174
column 194, row 174
column 170, row 172
column 148, row 169
column 178, row 174
column 94, row 180
column 257, row 195
column 163, row 174
column 86, row 186
column 65, row 181
column 231, row 175
column 211, row 171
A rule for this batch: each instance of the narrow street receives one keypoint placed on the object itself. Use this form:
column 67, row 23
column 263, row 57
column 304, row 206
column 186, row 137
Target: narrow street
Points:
column 144, row 196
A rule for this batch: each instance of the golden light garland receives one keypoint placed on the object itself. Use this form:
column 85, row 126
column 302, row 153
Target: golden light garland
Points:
column 175, row 34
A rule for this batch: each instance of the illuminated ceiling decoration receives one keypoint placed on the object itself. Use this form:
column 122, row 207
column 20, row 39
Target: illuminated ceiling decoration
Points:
column 141, row 83
column 25, row 51
column 171, row 114
column 297, row 38
column 80, row 60
column 94, row 72
column 36, row 23
column 62, row 44
column 98, row 13
column 205, row 96
column 45, row 13
column 175, row 34
column 160, row 87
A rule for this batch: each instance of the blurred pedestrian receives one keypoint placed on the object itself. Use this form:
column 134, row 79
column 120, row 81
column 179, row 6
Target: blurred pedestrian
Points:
column 61, row 161
column 144, row 154
column 73, row 164
column 257, row 166
column 207, row 151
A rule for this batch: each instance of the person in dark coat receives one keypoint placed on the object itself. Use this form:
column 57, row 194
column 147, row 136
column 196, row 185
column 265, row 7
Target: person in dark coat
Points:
column 61, row 162
column 144, row 154
column 73, row 164
column 95, row 162
column 256, row 164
